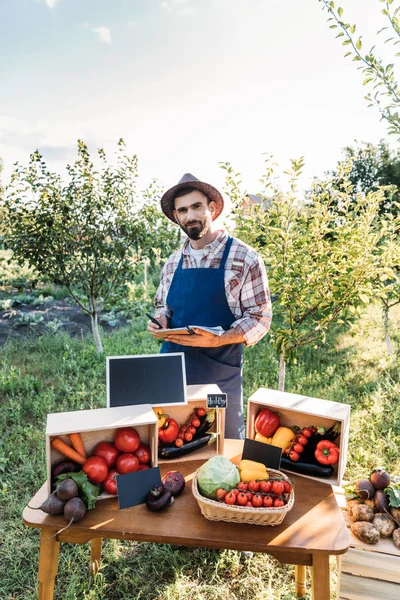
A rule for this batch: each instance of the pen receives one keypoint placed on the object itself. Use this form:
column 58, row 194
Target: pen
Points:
column 190, row 330
column 154, row 320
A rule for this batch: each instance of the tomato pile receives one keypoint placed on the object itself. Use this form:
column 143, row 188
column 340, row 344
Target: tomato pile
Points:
column 268, row 493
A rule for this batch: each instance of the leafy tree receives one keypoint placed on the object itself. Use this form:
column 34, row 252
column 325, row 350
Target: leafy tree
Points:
column 89, row 234
column 321, row 256
column 385, row 95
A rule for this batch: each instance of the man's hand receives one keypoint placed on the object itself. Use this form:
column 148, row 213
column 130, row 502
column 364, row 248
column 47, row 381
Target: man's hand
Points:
column 201, row 339
column 152, row 328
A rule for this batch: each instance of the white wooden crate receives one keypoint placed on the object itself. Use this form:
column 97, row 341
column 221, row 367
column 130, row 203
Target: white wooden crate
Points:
column 197, row 397
column 368, row 572
column 304, row 411
column 100, row 425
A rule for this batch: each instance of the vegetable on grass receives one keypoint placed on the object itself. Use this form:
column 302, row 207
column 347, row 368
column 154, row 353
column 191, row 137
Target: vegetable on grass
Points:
column 62, row 447
column 77, row 443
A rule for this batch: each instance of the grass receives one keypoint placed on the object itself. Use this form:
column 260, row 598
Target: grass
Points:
column 56, row 373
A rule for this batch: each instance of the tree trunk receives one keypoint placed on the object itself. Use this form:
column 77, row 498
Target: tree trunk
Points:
column 96, row 333
column 386, row 325
column 282, row 372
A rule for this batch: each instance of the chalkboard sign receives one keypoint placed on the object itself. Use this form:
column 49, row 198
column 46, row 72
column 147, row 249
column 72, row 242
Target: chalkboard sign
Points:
column 154, row 379
column 268, row 455
column 217, row 400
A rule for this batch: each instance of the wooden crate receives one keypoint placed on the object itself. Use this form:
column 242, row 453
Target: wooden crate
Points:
column 100, row 425
column 304, row 411
column 197, row 397
column 368, row 572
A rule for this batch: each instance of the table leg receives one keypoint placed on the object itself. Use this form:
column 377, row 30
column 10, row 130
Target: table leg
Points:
column 95, row 555
column 320, row 577
column 48, row 564
column 300, row 578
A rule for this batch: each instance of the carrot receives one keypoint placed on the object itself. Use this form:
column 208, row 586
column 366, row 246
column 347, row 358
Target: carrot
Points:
column 62, row 447
column 76, row 441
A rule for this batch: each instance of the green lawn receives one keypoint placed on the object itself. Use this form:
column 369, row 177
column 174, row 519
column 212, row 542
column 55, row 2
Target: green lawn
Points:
column 56, row 373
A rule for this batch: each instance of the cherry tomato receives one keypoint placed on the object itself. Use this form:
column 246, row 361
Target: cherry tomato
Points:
column 242, row 499
column 96, row 469
column 188, row 437
column 307, row 431
column 196, row 422
column 253, row 486
column 288, row 487
column 278, row 487
column 220, row 494
column 179, row 442
column 303, row 440
column 192, row 430
column 295, row 456
column 278, row 502
column 249, row 496
column 201, row 412
column 230, row 498
column 108, row 451
column 143, row 453
column 257, row 500
column 298, row 448
column 127, row 439
column 127, row 463
column 242, row 485
column 235, row 491
column 110, row 483
column 265, row 487
column 267, row 501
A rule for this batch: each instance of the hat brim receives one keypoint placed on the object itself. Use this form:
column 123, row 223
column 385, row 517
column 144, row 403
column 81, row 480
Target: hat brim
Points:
column 168, row 199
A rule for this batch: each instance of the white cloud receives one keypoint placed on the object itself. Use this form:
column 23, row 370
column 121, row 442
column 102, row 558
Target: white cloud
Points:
column 51, row 3
column 104, row 34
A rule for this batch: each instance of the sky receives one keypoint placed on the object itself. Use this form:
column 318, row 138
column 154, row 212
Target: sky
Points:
column 186, row 83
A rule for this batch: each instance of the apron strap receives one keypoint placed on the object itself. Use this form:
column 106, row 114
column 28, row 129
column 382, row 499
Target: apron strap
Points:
column 223, row 259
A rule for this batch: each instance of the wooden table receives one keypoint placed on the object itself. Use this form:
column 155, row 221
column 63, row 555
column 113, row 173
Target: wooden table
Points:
column 310, row 532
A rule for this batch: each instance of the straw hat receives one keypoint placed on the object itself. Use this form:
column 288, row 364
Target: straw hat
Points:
column 190, row 181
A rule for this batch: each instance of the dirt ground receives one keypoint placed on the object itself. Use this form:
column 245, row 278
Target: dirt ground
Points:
column 24, row 321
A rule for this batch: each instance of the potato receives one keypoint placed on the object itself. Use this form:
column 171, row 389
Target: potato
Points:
column 395, row 512
column 396, row 538
column 351, row 503
column 361, row 512
column 366, row 532
column 385, row 524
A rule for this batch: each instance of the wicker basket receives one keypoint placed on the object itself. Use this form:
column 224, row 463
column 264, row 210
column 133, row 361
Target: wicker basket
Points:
column 219, row 511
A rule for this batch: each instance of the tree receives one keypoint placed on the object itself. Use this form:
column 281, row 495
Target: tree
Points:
column 90, row 233
column 321, row 255
column 382, row 78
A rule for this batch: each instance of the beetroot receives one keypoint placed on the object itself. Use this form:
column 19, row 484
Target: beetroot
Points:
column 65, row 466
column 158, row 498
column 53, row 505
column 174, row 482
column 365, row 489
column 380, row 479
column 66, row 489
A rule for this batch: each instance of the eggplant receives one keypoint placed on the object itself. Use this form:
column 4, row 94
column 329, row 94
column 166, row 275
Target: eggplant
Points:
column 158, row 498
column 205, row 423
column 303, row 468
column 174, row 452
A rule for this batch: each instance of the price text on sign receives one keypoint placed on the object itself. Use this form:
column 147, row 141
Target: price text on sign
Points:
column 217, row 400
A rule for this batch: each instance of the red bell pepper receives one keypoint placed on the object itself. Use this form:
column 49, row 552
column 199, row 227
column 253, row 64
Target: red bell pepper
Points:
column 327, row 453
column 169, row 431
column 267, row 422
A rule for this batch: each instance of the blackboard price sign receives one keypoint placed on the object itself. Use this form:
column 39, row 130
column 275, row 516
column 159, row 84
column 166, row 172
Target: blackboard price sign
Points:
column 217, row 400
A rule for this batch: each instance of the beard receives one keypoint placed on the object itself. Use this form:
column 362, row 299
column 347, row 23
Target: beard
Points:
column 197, row 230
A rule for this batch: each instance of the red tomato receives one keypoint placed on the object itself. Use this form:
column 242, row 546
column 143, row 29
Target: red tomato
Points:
column 278, row 502
column 178, row 442
column 303, row 440
column 220, row 494
column 242, row 499
column 108, row 451
column 143, row 467
column 110, row 483
column 265, row 487
column 288, row 487
column 201, row 412
column 196, row 422
column 308, row 432
column 250, row 504
column 127, row 439
column 192, row 430
column 267, row 422
column 230, row 498
column 242, row 485
column 298, row 448
column 235, row 491
column 278, row 487
column 96, row 469
column 249, row 496
column 188, row 437
column 127, row 463
column 257, row 500
column 268, row 501
column 293, row 455
column 253, row 486
column 143, row 453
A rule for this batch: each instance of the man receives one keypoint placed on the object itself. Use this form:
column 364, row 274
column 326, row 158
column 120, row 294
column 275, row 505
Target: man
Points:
column 213, row 280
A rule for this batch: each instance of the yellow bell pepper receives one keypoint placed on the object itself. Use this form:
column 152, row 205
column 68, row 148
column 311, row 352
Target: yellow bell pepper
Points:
column 161, row 416
column 283, row 437
column 263, row 439
column 251, row 464
column 253, row 474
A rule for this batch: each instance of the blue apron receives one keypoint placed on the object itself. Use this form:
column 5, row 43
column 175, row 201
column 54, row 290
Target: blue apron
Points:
column 197, row 297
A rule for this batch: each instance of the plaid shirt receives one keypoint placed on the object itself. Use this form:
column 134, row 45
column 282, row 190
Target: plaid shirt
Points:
column 246, row 284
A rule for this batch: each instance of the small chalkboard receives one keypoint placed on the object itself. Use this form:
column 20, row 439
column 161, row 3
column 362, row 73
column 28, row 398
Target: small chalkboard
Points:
column 268, row 455
column 154, row 379
column 134, row 487
column 217, row 400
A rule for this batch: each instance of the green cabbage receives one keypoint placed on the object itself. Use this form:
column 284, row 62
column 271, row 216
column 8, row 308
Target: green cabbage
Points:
column 217, row 472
